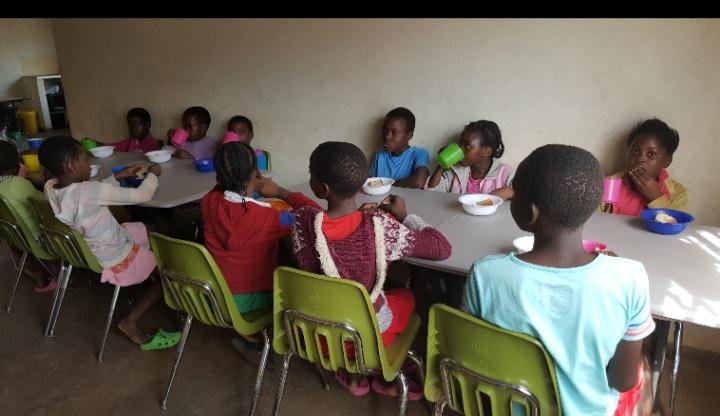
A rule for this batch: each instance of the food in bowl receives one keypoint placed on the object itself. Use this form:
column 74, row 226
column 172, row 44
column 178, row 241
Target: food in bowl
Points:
column 477, row 204
column 652, row 218
column 159, row 156
column 375, row 183
column 665, row 218
column 485, row 203
column 377, row 186
column 102, row 151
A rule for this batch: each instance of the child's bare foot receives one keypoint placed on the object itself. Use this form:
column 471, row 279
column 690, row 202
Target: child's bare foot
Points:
column 132, row 331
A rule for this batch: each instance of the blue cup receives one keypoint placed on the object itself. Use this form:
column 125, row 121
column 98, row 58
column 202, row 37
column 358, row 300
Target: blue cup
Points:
column 34, row 144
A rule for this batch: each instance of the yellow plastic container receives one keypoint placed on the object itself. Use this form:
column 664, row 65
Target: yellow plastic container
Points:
column 28, row 121
column 31, row 162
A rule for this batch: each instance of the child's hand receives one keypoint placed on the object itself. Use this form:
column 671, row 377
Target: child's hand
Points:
column 369, row 206
column 183, row 154
column 155, row 169
column 396, row 206
column 645, row 184
column 130, row 172
column 269, row 189
column 170, row 133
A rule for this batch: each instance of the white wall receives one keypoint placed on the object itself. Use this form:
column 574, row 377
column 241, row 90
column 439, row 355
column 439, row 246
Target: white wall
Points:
column 27, row 47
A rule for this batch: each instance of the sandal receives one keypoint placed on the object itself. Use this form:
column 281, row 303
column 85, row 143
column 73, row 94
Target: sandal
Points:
column 415, row 390
column 49, row 287
column 361, row 389
column 161, row 340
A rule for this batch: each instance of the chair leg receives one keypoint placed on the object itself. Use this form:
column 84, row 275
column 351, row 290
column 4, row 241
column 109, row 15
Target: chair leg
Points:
column 109, row 322
column 404, row 393
column 181, row 348
column 421, row 371
column 323, row 376
column 439, row 407
column 17, row 281
column 65, row 273
column 281, row 386
column 261, row 371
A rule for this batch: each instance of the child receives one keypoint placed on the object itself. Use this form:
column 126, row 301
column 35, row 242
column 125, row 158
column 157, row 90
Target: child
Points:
column 479, row 172
column 646, row 184
column 408, row 165
column 242, row 234
column 590, row 311
column 196, row 121
column 122, row 250
column 16, row 191
column 359, row 245
column 140, row 139
column 243, row 127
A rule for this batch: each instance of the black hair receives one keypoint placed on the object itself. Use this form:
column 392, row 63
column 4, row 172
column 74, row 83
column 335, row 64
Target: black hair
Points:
column 341, row 165
column 668, row 137
column 240, row 119
column 201, row 113
column 235, row 162
column 56, row 151
column 405, row 114
column 140, row 113
column 489, row 134
column 9, row 158
column 564, row 182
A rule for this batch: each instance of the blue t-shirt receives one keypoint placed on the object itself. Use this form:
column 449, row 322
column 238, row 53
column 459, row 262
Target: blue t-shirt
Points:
column 399, row 167
column 580, row 314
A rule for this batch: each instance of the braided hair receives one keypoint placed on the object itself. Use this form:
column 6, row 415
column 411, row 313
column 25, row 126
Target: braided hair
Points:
column 235, row 163
column 489, row 134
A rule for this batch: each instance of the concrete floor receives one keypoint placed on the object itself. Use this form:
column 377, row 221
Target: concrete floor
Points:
column 61, row 375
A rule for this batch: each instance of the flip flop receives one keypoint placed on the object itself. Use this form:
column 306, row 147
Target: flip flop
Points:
column 161, row 340
column 415, row 391
column 362, row 388
column 49, row 287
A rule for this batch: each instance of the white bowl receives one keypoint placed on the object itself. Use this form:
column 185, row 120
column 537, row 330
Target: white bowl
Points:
column 94, row 170
column 102, row 151
column 159, row 156
column 378, row 190
column 469, row 204
column 524, row 244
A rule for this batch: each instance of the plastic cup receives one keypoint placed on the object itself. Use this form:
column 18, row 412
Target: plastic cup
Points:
column 179, row 137
column 451, row 155
column 611, row 190
column 31, row 162
column 89, row 143
column 230, row 136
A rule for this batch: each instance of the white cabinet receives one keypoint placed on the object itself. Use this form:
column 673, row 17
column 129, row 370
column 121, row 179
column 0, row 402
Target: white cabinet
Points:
column 38, row 87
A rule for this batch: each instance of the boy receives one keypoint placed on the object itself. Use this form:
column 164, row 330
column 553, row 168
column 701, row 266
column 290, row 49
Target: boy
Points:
column 140, row 139
column 196, row 121
column 590, row 311
column 359, row 245
column 408, row 165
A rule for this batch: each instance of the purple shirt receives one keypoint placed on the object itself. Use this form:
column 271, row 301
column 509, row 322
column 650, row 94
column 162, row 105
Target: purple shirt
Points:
column 201, row 149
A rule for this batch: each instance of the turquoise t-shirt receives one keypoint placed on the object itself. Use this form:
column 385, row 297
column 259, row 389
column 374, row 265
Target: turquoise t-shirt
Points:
column 580, row 315
column 399, row 167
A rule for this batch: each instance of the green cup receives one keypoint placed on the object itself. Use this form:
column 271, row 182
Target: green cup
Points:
column 89, row 143
column 451, row 155
column 16, row 136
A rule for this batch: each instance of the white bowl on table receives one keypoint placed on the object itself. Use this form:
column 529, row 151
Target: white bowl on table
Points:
column 94, row 170
column 159, row 156
column 470, row 203
column 102, row 151
column 378, row 189
column 524, row 244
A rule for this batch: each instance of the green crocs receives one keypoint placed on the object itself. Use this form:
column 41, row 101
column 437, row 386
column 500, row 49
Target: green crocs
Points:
column 161, row 340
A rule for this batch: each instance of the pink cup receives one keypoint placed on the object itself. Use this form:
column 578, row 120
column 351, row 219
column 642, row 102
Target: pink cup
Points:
column 230, row 136
column 593, row 246
column 179, row 137
column 611, row 190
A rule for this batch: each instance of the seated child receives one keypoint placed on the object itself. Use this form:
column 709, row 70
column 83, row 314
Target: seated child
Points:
column 140, row 139
column 590, row 311
column 243, row 234
column 243, row 127
column 122, row 250
column 480, row 172
column 342, row 242
column 196, row 121
column 408, row 165
column 646, row 183
column 16, row 191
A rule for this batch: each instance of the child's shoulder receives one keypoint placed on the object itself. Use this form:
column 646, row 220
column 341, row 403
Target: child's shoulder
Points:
column 489, row 261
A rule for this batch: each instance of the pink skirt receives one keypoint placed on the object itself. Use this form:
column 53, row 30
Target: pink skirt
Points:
column 138, row 265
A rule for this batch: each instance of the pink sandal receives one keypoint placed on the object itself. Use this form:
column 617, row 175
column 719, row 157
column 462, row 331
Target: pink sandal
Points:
column 415, row 391
column 49, row 287
column 361, row 389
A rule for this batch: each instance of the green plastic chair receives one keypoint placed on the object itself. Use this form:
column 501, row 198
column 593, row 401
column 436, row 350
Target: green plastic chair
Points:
column 17, row 235
column 72, row 249
column 193, row 283
column 307, row 306
column 481, row 369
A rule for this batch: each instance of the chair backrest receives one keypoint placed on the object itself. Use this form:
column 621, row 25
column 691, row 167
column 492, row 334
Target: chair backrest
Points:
column 193, row 283
column 475, row 365
column 65, row 242
column 308, row 306
column 11, row 229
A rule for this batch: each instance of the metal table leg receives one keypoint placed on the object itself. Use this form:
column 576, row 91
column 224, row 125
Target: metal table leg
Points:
column 679, row 329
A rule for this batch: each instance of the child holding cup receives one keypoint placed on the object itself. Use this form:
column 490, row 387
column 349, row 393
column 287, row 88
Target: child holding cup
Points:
column 192, row 141
column 240, row 129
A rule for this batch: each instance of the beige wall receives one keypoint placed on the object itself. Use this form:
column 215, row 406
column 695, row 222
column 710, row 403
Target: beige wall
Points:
column 583, row 82
column 27, row 47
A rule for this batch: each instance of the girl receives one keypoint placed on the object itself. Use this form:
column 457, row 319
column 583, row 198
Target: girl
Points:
column 243, row 234
column 243, row 127
column 122, row 250
column 479, row 171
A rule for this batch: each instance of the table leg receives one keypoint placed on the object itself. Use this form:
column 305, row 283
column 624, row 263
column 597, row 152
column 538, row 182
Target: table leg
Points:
column 676, row 364
column 660, row 336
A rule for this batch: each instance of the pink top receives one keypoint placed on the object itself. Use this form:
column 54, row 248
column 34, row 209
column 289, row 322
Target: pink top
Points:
column 632, row 202
column 494, row 180
column 147, row 144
